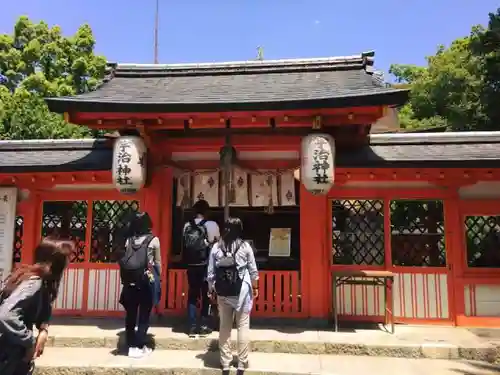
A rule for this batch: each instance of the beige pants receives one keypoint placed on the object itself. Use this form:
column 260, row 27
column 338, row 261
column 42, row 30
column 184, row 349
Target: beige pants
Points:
column 226, row 316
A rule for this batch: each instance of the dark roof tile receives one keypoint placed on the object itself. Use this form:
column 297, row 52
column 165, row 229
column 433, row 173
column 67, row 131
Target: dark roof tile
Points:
column 430, row 138
column 55, row 156
column 248, row 84
column 465, row 149
column 461, row 150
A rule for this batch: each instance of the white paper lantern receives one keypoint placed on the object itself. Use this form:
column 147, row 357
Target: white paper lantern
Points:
column 317, row 171
column 129, row 164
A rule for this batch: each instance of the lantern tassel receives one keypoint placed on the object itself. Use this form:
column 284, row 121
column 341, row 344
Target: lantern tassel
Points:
column 186, row 201
column 270, row 207
column 232, row 194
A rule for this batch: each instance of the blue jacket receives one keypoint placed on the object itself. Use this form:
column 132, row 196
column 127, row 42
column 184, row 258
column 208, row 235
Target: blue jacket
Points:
column 156, row 286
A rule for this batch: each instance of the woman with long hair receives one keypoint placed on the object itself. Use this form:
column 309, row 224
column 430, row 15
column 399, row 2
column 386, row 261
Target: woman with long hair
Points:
column 140, row 270
column 233, row 276
column 26, row 301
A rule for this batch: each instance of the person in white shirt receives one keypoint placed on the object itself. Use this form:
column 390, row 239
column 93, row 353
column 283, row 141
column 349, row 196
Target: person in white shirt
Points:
column 199, row 234
column 234, row 278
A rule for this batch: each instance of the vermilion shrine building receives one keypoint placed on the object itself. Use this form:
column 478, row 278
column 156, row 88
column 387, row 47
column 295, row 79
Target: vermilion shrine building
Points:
column 422, row 206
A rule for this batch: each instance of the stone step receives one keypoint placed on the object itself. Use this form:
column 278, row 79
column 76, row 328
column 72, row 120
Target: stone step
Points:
column 93, row 361
column 408, row 342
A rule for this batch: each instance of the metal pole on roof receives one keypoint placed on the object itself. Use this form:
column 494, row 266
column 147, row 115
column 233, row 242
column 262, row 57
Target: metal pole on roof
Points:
column 156, row 31
column 260, row 53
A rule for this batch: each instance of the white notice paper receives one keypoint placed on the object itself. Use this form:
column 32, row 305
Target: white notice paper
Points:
column 8, row 200
column 280, row 242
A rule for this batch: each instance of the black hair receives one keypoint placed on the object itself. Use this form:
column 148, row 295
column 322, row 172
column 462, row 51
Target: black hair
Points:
column 51, row 258
column 201, row 207
column 141, row 224
column 232, row 234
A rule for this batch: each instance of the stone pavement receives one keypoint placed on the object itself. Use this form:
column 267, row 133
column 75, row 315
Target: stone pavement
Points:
column 94, row 361
column 432, row 342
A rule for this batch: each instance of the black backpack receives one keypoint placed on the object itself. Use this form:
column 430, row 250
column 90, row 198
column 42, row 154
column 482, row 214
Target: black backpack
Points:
column 195, row 243
column 134, row 261
column 227, row 278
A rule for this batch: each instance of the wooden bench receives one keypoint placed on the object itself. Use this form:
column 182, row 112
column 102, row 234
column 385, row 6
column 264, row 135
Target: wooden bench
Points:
column 373, row 278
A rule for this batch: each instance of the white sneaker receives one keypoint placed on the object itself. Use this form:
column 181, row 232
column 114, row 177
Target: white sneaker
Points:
column 146, row 350
column 135, row 353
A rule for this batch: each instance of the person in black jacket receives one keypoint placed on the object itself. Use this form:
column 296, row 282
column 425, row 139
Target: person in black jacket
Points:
column 140, row 269
column 26, row 301
column 196, row 229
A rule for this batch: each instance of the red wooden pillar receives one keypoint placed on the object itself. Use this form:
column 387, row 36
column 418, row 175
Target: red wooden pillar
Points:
column 151, row 202
column 314, row 255
column 30, row 209
column 158, row 204
column 166, row 178
column 455, row 253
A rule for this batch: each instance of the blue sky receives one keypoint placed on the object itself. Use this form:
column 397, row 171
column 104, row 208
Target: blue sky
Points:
column 400, row 31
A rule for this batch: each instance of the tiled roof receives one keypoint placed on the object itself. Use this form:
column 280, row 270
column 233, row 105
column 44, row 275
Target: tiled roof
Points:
column 400, row 150
column 249, row 85
column 439, row 150
column 55, row 155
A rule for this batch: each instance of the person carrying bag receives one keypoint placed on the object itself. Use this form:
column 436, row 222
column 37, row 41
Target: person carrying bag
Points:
column 198, row 235
column 140, row 270
column 233, row 277
column 25, row 301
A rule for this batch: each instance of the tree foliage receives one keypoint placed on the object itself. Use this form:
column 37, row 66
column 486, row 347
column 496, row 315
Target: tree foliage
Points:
column 459, row 85
column 37, row 61
column 486, row 46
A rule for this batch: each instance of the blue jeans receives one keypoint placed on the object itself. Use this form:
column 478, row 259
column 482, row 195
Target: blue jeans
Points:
column 198, row 289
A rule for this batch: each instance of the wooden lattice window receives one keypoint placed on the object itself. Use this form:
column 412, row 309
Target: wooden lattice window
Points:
column 417, row 233
column 109, row 220
column 358, row 232
column 483, row 241
column 68, row 220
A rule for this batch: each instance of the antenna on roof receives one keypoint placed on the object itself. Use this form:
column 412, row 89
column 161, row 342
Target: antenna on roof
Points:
column 156, row 32
column 260, row 53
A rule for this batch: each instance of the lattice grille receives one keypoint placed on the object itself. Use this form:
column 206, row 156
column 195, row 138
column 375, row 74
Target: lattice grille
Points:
column 483, row 241
column 67, row 220
column 417, row 233
column 108, row 221
column 358, row 232
column 18, row 239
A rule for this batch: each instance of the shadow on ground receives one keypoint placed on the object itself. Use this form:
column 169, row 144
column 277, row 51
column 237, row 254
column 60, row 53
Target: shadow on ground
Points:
column 212, row 360
column 486, row 333
column 479, row 368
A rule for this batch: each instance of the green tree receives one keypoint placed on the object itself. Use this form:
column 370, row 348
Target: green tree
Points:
column 460, row 86
column 486, row 46
column 409, row 120
column 447, row 91
column 37, row 61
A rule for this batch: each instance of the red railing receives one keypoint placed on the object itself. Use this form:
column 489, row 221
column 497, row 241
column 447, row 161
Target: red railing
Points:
column 279, row 294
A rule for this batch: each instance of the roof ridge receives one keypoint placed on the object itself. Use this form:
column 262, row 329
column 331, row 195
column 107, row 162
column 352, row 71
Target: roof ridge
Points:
column 364, row 60
column 257, row 63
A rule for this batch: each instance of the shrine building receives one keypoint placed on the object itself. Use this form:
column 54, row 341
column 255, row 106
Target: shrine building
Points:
column 350, row 218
